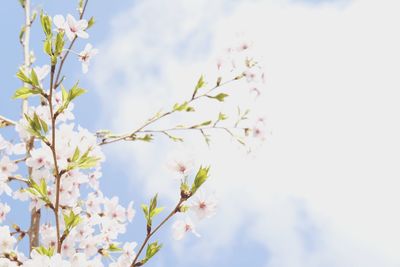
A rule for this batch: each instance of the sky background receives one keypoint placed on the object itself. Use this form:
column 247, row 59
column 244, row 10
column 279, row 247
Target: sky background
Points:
column 323, row 188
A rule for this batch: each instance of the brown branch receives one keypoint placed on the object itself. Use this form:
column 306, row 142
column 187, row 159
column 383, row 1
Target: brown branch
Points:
column 4, row 122
column 35, row 215
column 17, row 178
column 130, row 136
column 54, row 81
column 151, row 233
column 57, row 80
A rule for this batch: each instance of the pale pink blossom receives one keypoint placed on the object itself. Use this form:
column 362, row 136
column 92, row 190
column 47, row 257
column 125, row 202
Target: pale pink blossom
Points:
column 86, row 55
column 204, row 207
column 7, row 167
column 60, row 23
column 181, row 227
column 75, row 28
column 4, row 209
column 130, row 212
column 6, row 240
column 42, row 72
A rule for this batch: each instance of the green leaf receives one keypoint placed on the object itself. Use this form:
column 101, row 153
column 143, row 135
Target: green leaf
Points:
column 114, row 248
column 146, row 138
column 68, row 97
column 75, row 92
column 220, row 97
column 91, row 22
column 145, row 209
column 71, row 220
column 59, row 43
column 47, row 47
column 76, row 155
column 201, row 177
column 46, row 24
column 22, row 2
column 25, row 92
column 82, row 161
column 34, row 78
column 180, row 107
column 152, row 250
column 49, row 252
column 222, row 117
column 153, row 202
column 64, row 94
column 156, row 211
column 36, row 126
column 21, row 75
column 39, row 190
column 200, row 84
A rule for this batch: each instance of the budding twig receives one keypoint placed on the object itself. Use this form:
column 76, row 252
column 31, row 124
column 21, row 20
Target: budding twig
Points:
column 130, row 136
column 152, row 232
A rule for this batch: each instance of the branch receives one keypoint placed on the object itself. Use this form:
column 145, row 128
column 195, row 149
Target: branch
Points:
column 17, row 178
column 151, row 233
column 54, row 81
column 57, row 80
column 4, row 122
column 131, row 136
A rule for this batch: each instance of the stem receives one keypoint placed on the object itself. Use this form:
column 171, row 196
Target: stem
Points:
column 149, row 235
column 25, row 45
column 5, row 122
column 35, row 214
column 53, row 151
column 57, row 80
column 54, row 82
column 129, row 136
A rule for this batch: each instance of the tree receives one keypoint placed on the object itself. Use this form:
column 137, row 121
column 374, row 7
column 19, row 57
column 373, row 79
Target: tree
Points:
column 53, row 160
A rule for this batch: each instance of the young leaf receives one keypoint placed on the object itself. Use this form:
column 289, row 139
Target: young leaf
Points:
column 34, row 78
column 49, row 252
column 152, row 250
column 220, row 97
column 25, row 92
column 201, row 177
column 46, row 24
column 90, row 23
column 200, row 84
column 21, row 75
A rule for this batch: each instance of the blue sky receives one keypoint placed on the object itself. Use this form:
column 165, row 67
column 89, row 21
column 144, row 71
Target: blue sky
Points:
column 305, row 198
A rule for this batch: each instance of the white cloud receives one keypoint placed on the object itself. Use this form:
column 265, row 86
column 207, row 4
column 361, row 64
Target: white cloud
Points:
column 331, row 162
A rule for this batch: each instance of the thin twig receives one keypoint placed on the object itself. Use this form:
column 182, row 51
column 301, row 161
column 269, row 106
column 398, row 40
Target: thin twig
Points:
column 151, row 233
column 4, row 122
column 129, row 136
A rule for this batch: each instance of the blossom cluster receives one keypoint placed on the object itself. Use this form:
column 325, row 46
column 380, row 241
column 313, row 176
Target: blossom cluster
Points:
column 63, row 160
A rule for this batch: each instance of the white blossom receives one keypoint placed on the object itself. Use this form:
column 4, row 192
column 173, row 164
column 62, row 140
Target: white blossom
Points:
column 181, row 227
column 4, row 209
column 86, row 55
column 75, row 28
column 204, row 207
column 6, row 240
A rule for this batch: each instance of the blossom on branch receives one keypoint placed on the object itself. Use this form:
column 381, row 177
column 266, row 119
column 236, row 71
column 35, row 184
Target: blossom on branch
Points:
column 86, row 55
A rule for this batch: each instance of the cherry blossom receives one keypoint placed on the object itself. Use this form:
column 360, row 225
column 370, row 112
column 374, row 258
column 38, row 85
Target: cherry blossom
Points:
column 45, row 261
column 7, row 167
column 86, row 55
column 42, row 71
column 4, row 209
column 181, row 227
column 60, row 23
column 127, row 255
column 6, row 240
column 75, row 28
column 130, row 212
column 7, row 263
column 204, row 207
